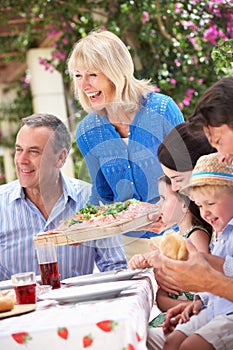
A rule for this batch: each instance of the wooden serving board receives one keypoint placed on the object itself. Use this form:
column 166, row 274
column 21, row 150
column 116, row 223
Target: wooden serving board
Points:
column 18, row 310
column 74, row 236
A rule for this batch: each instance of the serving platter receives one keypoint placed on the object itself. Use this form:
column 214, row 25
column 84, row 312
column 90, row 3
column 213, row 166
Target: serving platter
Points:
column 76, row 235
column 18, row 310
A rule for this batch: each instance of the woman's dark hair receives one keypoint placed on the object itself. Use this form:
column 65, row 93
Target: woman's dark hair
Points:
column 214, row 108
column 194, row 210
column 180, row 150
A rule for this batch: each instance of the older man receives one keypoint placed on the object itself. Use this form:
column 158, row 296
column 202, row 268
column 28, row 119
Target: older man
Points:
column 42, row 197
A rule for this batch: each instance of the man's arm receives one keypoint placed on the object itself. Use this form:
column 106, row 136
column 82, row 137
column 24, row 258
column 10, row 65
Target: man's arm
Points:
column 200, row 273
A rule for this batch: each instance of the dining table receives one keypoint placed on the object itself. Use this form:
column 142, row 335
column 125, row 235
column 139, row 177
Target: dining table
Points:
column 115, row 323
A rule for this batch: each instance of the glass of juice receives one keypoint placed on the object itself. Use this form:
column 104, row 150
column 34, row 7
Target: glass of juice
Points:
column 47, row 260
column 25, row 287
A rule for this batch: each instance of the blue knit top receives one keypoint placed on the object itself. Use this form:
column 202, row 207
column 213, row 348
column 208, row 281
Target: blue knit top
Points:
column 119, row 171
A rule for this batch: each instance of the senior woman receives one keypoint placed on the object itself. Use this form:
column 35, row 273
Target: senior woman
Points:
column 126, row 122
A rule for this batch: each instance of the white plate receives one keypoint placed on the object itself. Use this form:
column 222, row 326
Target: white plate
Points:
column 8, row 283
column 100, row 277
column 88, row 292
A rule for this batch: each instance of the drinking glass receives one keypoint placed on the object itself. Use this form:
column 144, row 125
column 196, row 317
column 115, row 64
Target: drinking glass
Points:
column 48, row 264
column 24, row 285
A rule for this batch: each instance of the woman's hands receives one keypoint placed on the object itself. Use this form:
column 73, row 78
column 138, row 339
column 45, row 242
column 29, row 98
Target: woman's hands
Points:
column 157, row 224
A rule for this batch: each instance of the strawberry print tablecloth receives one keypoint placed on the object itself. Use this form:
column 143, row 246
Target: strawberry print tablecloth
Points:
column 116, row 324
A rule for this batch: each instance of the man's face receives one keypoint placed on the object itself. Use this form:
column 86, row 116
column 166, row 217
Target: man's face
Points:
column 221, row 138
column 35, row 161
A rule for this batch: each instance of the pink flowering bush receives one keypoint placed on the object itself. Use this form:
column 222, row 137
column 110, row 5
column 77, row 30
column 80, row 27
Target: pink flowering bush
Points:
column 171, row 41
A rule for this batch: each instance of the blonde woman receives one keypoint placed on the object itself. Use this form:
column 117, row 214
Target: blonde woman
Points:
column 126, row 121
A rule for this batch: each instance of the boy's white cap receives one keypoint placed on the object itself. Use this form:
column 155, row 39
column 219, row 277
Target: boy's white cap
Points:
column 208, row 171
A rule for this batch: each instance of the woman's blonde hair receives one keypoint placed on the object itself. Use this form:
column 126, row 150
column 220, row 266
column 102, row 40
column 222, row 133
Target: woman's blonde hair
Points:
column 104, row 51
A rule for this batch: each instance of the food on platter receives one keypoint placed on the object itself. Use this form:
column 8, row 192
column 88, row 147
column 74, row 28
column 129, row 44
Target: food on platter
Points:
column 94, row 222
column 110, row 214
column 173, row 246
column 7, row 301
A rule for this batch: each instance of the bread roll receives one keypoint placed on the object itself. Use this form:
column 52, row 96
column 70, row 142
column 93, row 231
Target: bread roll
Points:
column 173, row 246
column 7, row 303
column 156, row 240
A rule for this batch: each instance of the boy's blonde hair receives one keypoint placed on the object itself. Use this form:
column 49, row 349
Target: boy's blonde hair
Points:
column 105, row 52
column 212, row 189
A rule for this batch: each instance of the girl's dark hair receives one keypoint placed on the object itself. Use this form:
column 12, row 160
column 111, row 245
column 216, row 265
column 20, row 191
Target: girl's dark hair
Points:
column 194, row 210
column 214, row 108
column 180, row 150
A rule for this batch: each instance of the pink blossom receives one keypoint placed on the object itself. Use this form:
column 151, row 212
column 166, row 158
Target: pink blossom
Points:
column 180, row 105
column 65, row 40
column 145, row 17
column 194, row 59
column 186, row 101
column 190, row 92
column 156, row 88
column 47, row 65
column 173, row 81
column 229, row 17
column 189, row 24
column 103, row 26
column 215, row 9
column 54, row 34
column 194, row 2
column 72, row 117
column 213, row 33
column 193, row 42
column 25, row 81
column 75, row 18
column 58, row 55
column 177, row 8
column 177, row 62
column 191, row 78
column 188, row 97
column 200, row 81
column 72, row 25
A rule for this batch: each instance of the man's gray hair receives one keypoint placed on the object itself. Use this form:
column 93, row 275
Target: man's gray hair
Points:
column 62, row 137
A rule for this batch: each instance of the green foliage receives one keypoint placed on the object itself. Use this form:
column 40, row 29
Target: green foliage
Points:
column 14, row 111
column 171, row 41
column 222, row 55
column 80, row 168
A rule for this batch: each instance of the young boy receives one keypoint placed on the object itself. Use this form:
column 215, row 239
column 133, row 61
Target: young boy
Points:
column 208, row 321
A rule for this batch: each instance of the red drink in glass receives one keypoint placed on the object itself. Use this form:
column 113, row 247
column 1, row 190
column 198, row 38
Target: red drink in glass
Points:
column 50, row 274
column 25, row 294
